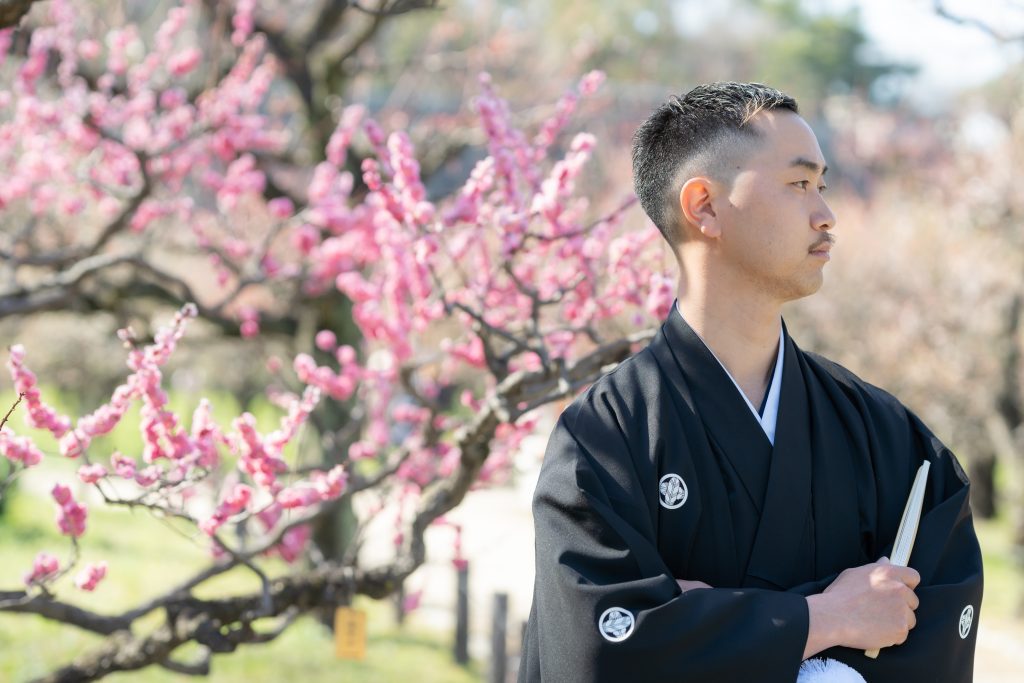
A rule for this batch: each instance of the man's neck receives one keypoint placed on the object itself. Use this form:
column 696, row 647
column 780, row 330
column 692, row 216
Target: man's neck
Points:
column 743, row 332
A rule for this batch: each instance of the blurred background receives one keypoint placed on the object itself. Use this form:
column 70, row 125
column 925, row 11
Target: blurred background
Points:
column 919, row 109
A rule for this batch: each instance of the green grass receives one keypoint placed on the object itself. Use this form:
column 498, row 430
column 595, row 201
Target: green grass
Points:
column 145, row 559
column 1004, row 588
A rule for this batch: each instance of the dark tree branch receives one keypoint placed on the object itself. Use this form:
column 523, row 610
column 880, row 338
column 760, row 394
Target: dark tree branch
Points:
column 327, row 22
column 8, row 415
column 200, row 667
column 359, row 483
column 11, row 11
column 395, row 7
column 1002, row 36
column 343, row 49
column 42, row 605
column 83, row 288
column 181, row 590
column 272, row 166
column 57, row 291
column 295, row 62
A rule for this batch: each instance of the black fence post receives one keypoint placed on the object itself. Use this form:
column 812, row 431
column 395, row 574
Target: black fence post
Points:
column 400, row 604
column 462, row 615
column 499, row 639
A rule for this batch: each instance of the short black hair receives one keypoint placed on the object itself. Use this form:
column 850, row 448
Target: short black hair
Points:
column 685, row 128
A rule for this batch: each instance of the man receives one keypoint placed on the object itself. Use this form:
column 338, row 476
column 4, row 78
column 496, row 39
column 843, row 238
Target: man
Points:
column 720, row 506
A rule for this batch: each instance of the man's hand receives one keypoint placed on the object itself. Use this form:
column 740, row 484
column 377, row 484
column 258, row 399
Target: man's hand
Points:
column 865, row 608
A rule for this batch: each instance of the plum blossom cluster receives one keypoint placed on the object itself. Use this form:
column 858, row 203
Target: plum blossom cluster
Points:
column 89, row 147
column 511, row 256
column 39, row 414
column 173, row 456
column 70, row 514
column 293, row 543
column 44, row 567
column 322, row 487
column 549, row 261
column 236, row 501
column 90, row 576
column 162, row 435
column 19, row 449
column 512, row 273
column 262, row 457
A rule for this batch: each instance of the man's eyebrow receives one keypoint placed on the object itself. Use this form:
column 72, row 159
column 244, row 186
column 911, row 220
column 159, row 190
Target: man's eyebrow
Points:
column 808, row 164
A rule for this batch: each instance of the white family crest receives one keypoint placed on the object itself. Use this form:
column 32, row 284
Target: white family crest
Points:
column 672, row 491
column 616, row 624
column 966, row 619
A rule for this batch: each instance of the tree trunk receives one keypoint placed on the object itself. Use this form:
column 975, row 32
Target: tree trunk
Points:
column 981, row 470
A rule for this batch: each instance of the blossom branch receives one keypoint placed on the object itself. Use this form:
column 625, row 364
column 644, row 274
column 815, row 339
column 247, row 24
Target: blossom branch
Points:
column 223, row 625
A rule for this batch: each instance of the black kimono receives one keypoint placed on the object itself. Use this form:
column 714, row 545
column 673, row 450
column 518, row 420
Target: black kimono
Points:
column 660, row 471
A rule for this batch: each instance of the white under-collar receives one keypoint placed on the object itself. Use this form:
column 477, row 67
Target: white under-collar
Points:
column 770, row 418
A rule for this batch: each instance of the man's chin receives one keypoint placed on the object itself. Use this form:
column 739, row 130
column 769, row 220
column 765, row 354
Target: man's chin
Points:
column 805, row 287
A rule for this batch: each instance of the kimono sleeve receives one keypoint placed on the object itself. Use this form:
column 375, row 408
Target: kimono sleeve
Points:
column 947, row 555
column 606, row 607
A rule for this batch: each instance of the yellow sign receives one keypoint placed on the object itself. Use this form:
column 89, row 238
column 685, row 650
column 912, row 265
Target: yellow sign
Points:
column 350, row 633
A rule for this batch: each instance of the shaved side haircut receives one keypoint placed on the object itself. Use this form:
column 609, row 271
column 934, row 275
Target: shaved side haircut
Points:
column 704, row 132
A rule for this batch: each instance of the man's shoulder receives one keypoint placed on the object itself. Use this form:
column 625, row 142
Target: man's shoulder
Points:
column 853, row 385
column 633, row 381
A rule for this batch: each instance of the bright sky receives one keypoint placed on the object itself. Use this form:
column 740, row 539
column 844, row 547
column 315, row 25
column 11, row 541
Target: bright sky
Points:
column 951, row 56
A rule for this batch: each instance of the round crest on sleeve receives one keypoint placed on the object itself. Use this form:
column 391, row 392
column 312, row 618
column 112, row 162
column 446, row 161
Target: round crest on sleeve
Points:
column 966, row 619
column 672, row 491
column 616, row 624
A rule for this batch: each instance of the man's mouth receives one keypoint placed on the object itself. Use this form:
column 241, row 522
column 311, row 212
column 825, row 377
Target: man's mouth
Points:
column 823, row 246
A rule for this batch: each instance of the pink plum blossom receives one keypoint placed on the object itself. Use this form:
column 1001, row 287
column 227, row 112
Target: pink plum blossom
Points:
column 90, row 474
column 326, row 341
column 70, row 514
column 90, row 576
column 39, row 414
column 19, row 449
column 236, row 501
column 123, row 465
column 44, row 567
column 184, row 62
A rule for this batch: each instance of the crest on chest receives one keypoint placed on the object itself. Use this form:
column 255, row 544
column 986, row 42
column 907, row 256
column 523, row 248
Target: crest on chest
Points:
column 672, row 491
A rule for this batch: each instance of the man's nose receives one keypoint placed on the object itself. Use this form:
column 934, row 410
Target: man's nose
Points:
column 822, row 219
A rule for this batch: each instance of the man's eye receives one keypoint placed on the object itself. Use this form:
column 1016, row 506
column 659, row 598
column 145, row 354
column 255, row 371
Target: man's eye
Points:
column 802, row 184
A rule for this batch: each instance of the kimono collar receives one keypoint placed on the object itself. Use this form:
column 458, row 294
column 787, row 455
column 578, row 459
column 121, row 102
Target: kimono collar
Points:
column 769, row 417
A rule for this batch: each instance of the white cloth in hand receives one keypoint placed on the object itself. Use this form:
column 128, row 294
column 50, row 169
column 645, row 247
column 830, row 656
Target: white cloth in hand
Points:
column 827, row 671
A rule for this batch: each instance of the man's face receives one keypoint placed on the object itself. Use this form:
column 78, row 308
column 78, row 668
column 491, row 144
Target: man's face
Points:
column 773, row 218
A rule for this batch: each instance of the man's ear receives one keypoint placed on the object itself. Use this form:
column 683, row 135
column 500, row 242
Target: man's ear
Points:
column 697, row 211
